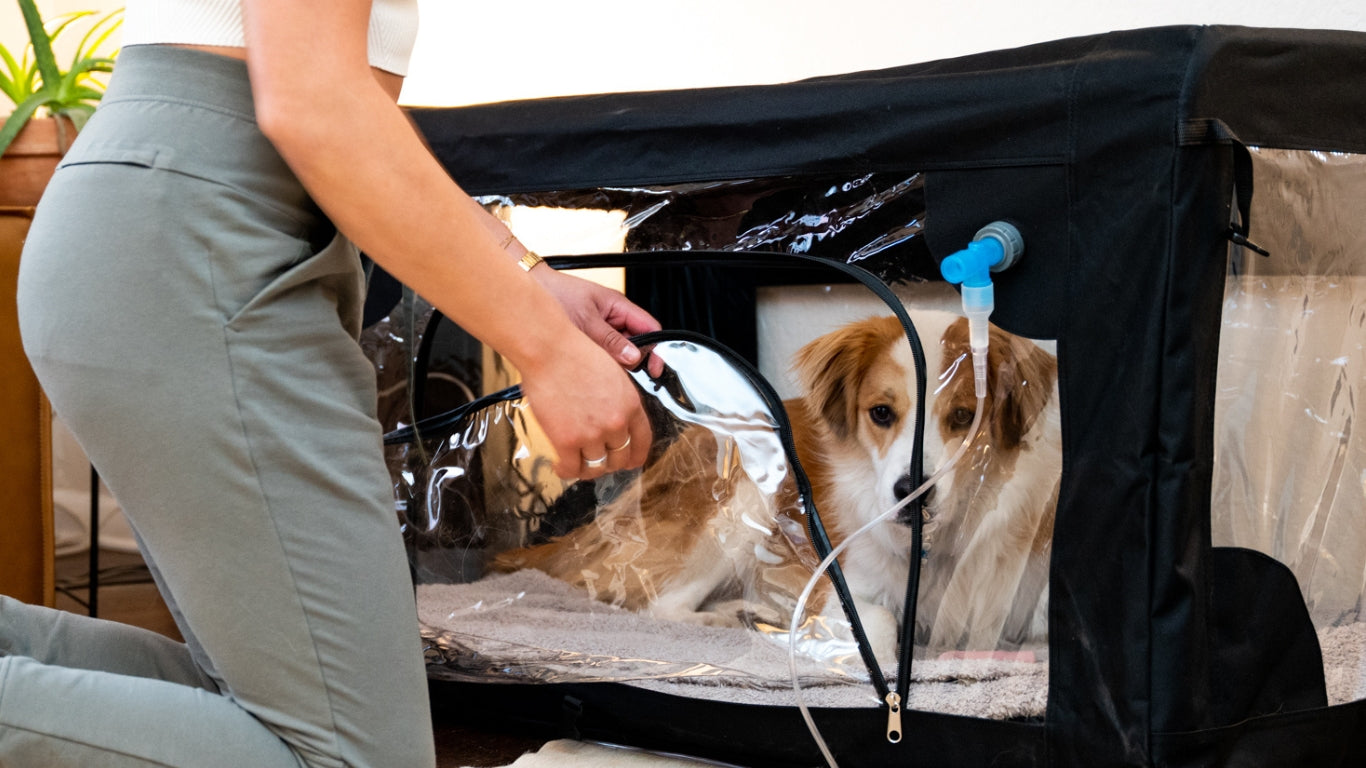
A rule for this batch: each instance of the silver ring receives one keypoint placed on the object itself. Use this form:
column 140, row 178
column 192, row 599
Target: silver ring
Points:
column 621, row 447
column 595, row 463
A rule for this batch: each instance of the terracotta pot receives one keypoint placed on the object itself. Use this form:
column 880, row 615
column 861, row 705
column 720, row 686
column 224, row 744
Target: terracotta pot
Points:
column 26, row 534
column 30, row 159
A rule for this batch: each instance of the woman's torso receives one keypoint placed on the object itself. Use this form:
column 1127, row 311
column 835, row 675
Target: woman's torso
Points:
column 215, row 26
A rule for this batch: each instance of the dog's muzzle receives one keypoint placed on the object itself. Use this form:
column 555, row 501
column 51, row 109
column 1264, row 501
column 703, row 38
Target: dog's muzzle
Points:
column 905, row 486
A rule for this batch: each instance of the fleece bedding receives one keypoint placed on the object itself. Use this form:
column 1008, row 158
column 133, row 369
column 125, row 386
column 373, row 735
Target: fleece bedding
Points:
column 528, row 627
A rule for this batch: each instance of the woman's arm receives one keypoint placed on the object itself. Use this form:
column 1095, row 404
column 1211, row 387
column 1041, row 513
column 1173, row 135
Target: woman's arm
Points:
column 360, row 158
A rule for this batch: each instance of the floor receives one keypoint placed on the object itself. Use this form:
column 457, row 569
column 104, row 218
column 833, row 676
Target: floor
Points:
column 126, row 594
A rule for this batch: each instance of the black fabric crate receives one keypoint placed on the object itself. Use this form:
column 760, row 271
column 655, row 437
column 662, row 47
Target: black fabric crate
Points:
column 1123, row 159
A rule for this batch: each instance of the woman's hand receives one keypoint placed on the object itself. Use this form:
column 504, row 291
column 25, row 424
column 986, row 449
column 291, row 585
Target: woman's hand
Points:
column 604, row 315
column 609, row 420
column 587, row 407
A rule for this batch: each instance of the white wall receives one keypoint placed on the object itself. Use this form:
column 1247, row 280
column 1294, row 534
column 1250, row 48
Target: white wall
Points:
column 13, row 35
column 476, row 52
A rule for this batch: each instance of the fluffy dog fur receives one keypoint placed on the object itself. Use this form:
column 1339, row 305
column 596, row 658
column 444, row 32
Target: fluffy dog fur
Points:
column 681, row 541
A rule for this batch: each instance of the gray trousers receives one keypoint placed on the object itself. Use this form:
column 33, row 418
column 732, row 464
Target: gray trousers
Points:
column 194, row 321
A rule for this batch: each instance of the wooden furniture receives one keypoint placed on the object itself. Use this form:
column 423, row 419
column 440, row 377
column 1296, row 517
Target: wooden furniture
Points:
column 26, row 526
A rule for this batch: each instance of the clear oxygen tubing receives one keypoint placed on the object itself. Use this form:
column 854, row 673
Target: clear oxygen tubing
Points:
column 800, row 608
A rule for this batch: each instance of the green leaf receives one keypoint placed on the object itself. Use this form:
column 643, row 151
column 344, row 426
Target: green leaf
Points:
column 78, row 114
column 85, row 66
column 71, row 96
column 42, row 44
column 104, row 27
column 10, row 64
column 8, row 88
column 17, row 120
column 17, row 74
column 59, row 24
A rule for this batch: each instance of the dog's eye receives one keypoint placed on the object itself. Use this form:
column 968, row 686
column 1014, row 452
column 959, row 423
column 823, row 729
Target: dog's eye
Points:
column 961, row 418
column 882, row 415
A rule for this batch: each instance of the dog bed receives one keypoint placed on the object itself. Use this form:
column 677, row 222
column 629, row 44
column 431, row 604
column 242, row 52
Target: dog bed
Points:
column 528, row 627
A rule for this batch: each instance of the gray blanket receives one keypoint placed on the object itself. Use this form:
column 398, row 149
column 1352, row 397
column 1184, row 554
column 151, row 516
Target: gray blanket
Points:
column 531, row 626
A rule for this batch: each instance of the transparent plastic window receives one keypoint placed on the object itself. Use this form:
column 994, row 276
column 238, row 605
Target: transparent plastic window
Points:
column 677, row 571
column 873, row 220
column 686, row 572
column 876, row 220
column 683, row 575
column 1290, row 469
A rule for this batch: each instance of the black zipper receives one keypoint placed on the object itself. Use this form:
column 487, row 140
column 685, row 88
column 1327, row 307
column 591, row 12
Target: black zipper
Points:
column 442, row 421
column 917, row 468
column 814, row 525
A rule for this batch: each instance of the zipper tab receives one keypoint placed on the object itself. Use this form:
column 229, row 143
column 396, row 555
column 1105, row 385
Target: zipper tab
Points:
column 893, row 717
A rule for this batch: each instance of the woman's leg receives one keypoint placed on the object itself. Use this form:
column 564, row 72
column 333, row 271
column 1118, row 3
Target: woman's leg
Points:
column 204, row 355
column 66, row 639
column 57, row 716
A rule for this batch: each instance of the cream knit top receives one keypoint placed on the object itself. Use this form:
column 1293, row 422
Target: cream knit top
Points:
column 393, row 26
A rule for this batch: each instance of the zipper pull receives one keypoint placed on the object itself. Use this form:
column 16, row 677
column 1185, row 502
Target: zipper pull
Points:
column 893, row 717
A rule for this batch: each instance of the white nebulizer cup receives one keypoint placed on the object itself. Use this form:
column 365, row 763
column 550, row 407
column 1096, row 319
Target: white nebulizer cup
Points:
column 995, row 247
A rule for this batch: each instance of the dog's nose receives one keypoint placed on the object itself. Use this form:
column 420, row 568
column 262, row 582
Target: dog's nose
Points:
column 904, row 487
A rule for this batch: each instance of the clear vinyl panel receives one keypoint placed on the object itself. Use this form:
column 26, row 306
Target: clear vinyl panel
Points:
column 682, row 574
column 874, row 220
column 526, row 578
column 1290, row 460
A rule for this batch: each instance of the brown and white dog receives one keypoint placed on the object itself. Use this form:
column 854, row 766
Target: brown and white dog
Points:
column 682, row 540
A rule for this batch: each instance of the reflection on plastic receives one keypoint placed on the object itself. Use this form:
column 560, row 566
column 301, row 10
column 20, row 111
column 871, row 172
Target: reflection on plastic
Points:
column 687, row 571
column 722, row 489
column 716, row 396
column 484, row 488
column 875, row 220
column 1290, row 466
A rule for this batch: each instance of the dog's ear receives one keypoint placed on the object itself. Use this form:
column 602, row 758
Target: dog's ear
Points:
column 1021, row 378
column 831, row 369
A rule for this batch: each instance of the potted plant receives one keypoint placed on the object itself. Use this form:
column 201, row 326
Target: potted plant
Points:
column 34, row 81
column 50, row 105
